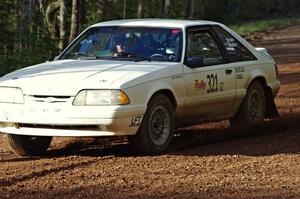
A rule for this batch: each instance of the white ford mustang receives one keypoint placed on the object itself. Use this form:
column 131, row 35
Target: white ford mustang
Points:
column 140, row 78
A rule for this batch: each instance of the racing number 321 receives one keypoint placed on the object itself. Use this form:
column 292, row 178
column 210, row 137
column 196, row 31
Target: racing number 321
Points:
column 212, row 81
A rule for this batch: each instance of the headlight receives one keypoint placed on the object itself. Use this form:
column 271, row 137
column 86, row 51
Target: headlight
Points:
column 100, row 97
column 11, row 95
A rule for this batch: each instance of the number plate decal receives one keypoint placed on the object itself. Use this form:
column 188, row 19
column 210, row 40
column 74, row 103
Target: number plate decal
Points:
column 213, row 83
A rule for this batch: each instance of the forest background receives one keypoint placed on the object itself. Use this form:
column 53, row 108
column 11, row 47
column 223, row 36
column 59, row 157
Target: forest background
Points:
column 34, row 31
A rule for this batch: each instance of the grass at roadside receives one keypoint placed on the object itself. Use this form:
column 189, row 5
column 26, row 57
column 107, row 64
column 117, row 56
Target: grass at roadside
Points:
column 263, row 25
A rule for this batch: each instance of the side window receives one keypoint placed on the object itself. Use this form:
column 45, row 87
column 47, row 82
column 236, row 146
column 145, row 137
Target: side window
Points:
column 201, row 44
column 235, row 50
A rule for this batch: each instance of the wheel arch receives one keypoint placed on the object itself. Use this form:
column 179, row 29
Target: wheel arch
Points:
column 168, row 93
column 260, row 79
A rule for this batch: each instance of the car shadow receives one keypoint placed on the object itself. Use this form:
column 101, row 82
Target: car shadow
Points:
column 275, row 137
column 96, row 147
column 279, row 136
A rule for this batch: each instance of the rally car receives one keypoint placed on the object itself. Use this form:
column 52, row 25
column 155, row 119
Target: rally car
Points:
column 142, row 79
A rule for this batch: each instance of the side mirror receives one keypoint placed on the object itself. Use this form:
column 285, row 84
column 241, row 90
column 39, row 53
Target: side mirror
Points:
column 56, row 58
column 194, row 62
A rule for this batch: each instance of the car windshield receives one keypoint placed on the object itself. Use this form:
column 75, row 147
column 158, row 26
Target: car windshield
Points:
column 127, row 43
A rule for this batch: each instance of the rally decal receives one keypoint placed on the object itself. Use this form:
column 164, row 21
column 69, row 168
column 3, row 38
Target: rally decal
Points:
column 239, row 69
column 135, row 121
column 200, row 85
column 239, row 76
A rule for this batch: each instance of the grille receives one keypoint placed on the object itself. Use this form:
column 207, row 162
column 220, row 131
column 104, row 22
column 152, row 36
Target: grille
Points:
column 48, row 99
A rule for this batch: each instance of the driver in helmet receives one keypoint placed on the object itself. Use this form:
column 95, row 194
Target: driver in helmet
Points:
column 127, row 44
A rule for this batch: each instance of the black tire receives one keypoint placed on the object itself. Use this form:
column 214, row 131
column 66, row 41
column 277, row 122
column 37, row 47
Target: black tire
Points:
column 23, row 145
column 156, row 130
column 252, row 110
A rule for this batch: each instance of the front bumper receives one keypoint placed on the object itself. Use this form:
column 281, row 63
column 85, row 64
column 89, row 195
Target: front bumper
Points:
column 55, row 119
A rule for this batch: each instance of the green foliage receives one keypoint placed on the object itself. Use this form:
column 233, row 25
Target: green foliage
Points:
column 263, row 25
column 25, row 38
column 6, row 41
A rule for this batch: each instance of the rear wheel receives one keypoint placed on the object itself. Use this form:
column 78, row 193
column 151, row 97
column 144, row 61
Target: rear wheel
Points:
column 156, row 131
column 24, row 145
column 252, row 110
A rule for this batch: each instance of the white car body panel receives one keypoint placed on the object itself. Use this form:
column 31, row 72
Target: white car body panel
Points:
column 139, row 80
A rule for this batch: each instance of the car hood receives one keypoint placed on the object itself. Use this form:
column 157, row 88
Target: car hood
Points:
column 67, row 77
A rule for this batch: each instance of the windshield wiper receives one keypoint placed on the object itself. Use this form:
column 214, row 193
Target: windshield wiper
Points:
column 135, row 56
column 88, row 55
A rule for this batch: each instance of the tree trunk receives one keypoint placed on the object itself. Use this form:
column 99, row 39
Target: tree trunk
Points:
column 124, row 8
column 192, row 13
column 102, row 9
column 166, row 8
column 42, row 10
column 50, row 18
column 62, row 24
column 189, row 13
column 41, row 7
column 199, row 9
column 162, row 8
column 140, row 11
column 74, row 20
column 31, row 2
column 81, row 12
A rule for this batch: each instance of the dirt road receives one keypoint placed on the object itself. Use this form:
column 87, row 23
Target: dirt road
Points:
column 198, row 165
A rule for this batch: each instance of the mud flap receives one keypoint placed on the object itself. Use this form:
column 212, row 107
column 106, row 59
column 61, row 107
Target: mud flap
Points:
column 271, row 109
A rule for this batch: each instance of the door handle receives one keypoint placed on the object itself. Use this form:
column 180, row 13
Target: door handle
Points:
column 228, row 71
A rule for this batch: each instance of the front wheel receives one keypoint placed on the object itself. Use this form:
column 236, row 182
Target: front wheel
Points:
column 23, row 145
column 156, row 131
column 253, row 108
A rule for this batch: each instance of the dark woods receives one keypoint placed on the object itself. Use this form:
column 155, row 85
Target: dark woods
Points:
column 33, row 31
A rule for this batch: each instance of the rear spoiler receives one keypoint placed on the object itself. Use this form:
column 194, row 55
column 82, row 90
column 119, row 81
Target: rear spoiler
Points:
column 263, row 50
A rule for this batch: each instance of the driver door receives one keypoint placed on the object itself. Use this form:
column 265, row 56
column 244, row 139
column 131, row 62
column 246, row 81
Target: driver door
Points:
column 209, row 79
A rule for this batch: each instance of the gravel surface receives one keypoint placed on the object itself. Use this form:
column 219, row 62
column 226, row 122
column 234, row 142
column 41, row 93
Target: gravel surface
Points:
column 205, row 161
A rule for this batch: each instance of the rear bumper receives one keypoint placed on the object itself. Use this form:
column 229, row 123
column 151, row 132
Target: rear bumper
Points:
column 76, row 121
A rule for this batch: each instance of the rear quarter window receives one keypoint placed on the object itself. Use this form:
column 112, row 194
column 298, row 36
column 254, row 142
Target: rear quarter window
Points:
column 236, row 52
